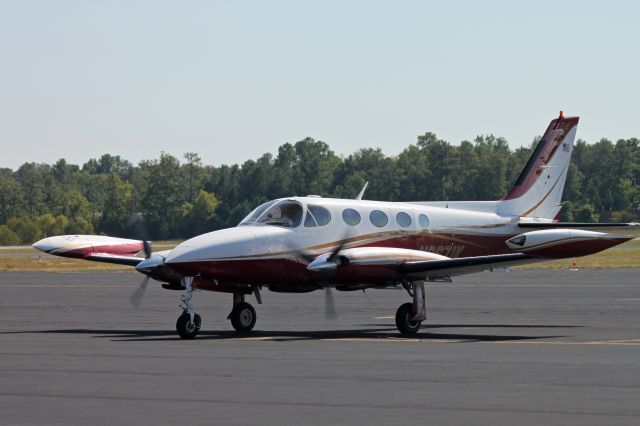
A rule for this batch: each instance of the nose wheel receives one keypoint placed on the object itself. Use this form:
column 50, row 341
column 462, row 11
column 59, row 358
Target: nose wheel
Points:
column 186, row 328
column 188, row 324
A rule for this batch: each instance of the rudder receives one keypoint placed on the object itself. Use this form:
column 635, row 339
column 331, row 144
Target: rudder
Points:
column 538, row 190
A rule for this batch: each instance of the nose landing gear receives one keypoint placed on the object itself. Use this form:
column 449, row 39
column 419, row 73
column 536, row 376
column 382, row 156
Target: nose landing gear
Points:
column 188, row 324
column 187, row 328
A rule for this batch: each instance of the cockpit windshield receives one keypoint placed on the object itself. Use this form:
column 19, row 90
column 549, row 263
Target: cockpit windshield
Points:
column 252, row 217
column 284, row 213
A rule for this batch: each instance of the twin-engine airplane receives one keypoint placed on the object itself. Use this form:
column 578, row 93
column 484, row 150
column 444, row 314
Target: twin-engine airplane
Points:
column 302, row 244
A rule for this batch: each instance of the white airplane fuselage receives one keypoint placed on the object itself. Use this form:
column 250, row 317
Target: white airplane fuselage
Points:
column 267, row 254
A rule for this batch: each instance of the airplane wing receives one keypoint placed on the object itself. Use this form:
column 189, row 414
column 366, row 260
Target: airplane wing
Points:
column 394, row 264
column 110, row 258
column 426, row 269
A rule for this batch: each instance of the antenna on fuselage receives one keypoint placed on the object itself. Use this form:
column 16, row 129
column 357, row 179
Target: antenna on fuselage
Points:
column 361, row 193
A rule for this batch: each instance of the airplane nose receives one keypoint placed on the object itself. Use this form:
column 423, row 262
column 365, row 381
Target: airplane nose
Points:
column 45, row 244
column 181, row 253
column 224, row 243
column 231, row 243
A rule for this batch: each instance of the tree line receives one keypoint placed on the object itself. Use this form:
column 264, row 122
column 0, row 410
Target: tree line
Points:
column 167, row 198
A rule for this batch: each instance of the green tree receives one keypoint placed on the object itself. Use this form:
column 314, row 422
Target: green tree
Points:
column 163, row 197
column 351, row 185
column 225, row 183
column 75, row 205
column 364, row 165
column 31, row 178
column 567, row 213
column 80, row 226
column 11, row 198
column 437, row 153
column 117, row 211
column 199, row 217
column 586, row 213
column 314, row 168
column 193, row 166
column 109, row 164
column 107, row 193
column 26, row 228
column 8, row 237
column 492, row 170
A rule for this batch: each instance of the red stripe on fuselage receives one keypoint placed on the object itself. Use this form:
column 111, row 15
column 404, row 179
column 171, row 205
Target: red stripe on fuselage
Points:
column 291, row 270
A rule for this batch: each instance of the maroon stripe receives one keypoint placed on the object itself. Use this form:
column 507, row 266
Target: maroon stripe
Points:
column 292, row 271
column 578, row 248
column 118, row 250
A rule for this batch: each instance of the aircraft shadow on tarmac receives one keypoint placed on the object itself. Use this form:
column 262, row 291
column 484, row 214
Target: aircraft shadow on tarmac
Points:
column 383, row 333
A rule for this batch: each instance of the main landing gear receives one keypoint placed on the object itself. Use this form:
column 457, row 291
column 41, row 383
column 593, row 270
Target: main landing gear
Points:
column 242, row 316
column 409, row 316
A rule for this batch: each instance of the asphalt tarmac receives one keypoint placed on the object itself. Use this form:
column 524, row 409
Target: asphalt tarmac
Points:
column 526, row 347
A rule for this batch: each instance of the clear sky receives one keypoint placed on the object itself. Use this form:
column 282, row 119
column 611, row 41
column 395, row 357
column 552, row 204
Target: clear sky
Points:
column 232, row 80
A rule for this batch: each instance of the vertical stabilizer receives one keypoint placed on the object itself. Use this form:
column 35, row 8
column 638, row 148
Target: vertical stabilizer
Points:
column 538, row 190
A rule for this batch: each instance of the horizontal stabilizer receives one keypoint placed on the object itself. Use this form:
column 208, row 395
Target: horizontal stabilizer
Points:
column 560, row 243
column 552, row 225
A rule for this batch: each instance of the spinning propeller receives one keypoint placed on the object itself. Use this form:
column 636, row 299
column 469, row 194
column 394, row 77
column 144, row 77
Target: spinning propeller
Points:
column 325, row 268
column 136, row 297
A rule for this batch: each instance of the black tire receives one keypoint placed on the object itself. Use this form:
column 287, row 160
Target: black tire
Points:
column 243, row 317
column 185, row 329
column 403, row 314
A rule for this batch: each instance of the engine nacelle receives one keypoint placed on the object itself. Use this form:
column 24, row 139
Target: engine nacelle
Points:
column 563, row 243
column 373, row 265
column 372, row 256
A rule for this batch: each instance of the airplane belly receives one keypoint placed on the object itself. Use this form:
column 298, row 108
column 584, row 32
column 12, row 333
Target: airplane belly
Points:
column 249, row 271
column 373, row 274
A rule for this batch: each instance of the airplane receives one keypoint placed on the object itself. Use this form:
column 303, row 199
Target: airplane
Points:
column 303, row 244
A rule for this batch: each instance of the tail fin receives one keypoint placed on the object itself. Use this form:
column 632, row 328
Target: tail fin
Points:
column 538, row 190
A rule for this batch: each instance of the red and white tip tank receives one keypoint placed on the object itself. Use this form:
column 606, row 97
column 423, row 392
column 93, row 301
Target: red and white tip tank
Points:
column 83, row 246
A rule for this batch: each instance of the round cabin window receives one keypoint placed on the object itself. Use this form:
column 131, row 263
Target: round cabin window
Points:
column 351, row 217
column 378, row 218
column 403, row 219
